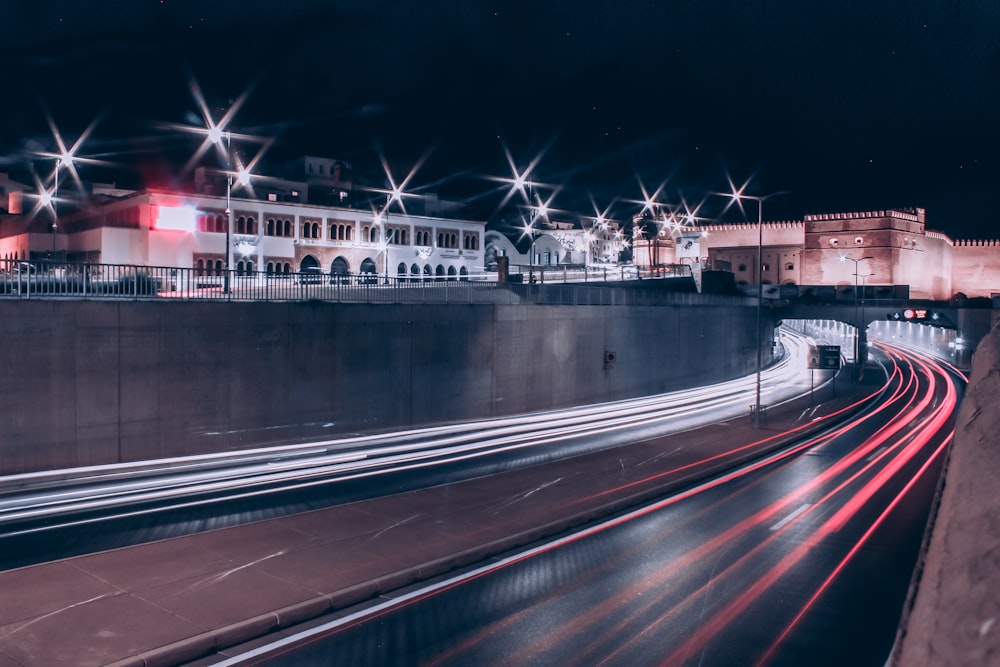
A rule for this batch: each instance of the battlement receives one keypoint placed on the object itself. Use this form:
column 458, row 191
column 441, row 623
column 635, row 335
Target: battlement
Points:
column 746, row 226
column 939, row 236
column 910, row 215
column 973, row 243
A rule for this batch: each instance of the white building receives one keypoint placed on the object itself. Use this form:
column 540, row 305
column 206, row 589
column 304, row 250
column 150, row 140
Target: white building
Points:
column 183, row 230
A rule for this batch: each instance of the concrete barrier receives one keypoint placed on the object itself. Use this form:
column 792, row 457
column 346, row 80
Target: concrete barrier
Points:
column 92, row 382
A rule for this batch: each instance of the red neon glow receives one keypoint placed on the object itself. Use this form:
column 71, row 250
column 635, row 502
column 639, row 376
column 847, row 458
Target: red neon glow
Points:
column 175, row 218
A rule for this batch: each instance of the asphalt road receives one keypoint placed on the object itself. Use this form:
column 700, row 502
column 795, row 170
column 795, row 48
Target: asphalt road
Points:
column 801, row 559
column 58, row 514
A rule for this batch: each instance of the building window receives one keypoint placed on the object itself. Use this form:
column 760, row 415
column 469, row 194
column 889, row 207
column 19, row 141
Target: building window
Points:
column 741, row 267
column 789, row 267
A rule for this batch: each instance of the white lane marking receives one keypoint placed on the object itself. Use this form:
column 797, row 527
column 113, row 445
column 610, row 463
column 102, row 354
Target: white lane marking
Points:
column 791, row 517
column 877, row 452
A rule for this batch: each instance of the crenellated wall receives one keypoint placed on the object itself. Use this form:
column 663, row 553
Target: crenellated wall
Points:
column 893, row 247
column 975, row 267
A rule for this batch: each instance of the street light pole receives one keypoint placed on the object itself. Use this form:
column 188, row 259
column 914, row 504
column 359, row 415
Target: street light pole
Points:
column 737, row 196
column 858, row 323
column 760, row 307
column 229, row 211
column 386, row 233
column 55, row 210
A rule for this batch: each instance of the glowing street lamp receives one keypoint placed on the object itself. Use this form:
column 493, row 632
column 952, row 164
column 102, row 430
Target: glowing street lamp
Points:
column 215, row 135
column 65, row 158
column 737, row 196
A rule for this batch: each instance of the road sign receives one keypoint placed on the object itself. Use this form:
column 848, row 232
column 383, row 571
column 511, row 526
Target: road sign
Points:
column 826, row 357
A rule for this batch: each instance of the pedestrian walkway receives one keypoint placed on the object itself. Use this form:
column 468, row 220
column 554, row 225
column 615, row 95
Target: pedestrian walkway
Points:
column 179, row 600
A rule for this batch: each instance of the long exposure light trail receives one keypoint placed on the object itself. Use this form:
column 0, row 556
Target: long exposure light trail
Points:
column 191, row 481
column 730, row 571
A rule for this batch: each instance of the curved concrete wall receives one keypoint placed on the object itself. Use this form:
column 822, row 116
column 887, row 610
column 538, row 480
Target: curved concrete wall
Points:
column 90, row 382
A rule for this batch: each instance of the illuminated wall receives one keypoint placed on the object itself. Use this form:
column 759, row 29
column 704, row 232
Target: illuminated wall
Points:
column 976, row 267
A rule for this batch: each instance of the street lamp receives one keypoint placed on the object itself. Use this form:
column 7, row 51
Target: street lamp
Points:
column 395, row 194
column 215, row 134
column 539, row 211
column 529, row 229
column 736, row 197
column 858, row 363
column 49, row 198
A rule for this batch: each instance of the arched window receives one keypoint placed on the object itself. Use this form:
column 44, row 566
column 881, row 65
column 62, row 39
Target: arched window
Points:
column 250, row 268
column 199, row 267
column 241, row 225
column 401, row 269
column 270, row 268
column 347, row 233
column 287, row 231
column 218, row 267
column 340, row 267
column 439, row 273
column 251, row 226
column 373, row 235
column 451, row 273
column 414, row 270
column 463, row 273
column 428, row 272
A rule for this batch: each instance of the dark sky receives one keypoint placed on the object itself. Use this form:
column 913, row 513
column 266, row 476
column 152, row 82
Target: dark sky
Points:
column 845, row 104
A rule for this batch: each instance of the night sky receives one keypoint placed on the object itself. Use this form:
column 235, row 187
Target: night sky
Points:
column 846, row 104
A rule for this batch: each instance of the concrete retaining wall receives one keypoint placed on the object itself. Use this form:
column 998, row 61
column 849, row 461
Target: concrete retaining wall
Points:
column 91, row 382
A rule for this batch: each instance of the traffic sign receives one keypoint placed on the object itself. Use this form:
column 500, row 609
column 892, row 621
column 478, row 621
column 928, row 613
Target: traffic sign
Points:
column 826, row 357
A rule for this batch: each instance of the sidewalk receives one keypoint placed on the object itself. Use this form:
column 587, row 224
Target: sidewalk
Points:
column 178, row 600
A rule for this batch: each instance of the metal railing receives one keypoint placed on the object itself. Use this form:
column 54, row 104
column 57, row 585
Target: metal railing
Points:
column 58, row 280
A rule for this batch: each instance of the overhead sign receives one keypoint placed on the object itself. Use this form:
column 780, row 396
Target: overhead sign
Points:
column 825, row 357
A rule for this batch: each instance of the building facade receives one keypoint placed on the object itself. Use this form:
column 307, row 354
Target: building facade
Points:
column 172, row 229
column 870, row 248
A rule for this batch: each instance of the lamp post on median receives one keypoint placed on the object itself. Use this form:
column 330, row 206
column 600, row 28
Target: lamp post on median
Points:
column 858, row 323
column 737, row 196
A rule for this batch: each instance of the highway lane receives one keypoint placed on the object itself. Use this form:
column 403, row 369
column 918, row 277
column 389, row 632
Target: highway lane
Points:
column 62, row 513
column 802, row 558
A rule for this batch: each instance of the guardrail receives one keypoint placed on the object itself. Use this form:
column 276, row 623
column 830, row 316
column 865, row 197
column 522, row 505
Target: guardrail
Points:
column 55, row 280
